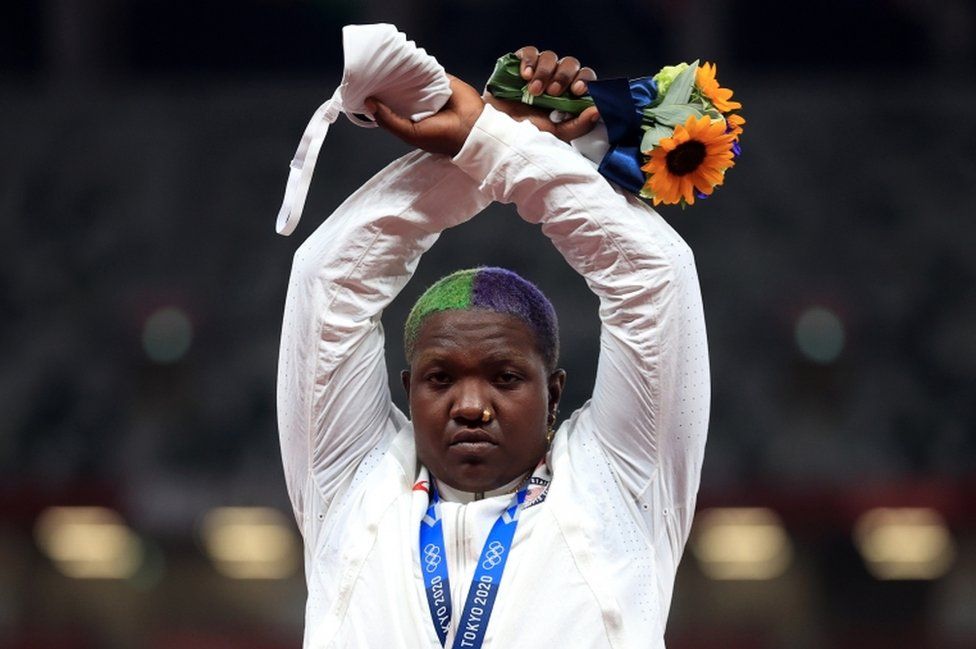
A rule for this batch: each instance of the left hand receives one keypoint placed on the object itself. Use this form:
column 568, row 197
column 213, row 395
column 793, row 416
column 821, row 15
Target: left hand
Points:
column 446, row 131
column 546, row 72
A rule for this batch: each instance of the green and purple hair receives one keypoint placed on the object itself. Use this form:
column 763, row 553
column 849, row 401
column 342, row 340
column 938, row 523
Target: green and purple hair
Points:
column 491, row 289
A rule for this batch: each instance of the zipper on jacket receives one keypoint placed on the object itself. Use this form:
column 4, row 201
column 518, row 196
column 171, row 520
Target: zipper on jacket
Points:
column 460, row 561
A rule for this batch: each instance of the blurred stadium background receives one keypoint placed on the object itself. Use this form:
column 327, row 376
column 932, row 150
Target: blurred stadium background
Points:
column 145, row 147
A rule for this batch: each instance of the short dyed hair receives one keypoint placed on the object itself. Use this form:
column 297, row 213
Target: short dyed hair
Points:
column 491, row 289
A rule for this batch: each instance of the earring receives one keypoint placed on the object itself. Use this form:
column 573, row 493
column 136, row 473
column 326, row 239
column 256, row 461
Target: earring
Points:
column 551, row 421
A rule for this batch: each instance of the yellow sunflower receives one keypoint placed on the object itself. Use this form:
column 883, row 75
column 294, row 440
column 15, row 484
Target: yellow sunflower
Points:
column 720, row 97
column 695, row 157
column 735, row 123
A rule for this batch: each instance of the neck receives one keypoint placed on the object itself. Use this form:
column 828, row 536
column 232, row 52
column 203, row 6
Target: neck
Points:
column 453, row 495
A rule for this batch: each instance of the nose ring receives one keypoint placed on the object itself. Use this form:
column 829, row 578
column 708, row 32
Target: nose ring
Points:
column 486, row 415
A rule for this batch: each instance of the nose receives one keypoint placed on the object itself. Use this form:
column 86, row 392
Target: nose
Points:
column 469, row 403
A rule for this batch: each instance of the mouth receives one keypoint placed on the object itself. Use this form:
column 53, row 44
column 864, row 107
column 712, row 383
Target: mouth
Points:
column 473, row 440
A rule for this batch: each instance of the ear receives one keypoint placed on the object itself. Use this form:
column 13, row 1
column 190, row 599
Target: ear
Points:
column 405, row 379
column 557, row 381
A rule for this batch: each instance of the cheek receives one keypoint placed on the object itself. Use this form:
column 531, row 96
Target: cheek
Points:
column 530, row 407
column 426, row 411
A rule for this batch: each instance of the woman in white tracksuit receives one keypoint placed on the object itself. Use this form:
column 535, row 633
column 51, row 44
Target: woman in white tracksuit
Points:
column 405, row 521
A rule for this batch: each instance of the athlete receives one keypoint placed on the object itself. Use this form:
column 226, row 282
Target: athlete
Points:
column 475, row 521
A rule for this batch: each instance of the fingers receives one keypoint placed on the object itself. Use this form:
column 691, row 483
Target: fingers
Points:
column 545, row 68
column 579, row 87
column 578, row 126
column 443, row 132
column 400, row 126
column 529, row 55
column 546, row 72
column 566, row 70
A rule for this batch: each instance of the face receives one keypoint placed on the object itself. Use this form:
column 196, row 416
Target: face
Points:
column 464, row 362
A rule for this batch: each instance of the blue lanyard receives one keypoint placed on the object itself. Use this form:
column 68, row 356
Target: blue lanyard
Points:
column 487, row 576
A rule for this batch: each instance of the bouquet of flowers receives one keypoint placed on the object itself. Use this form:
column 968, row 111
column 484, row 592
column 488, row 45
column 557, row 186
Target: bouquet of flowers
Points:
column 670, row 137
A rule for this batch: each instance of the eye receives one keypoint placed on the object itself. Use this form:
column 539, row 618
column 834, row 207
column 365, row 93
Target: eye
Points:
column 438, row 378
column 508, row 379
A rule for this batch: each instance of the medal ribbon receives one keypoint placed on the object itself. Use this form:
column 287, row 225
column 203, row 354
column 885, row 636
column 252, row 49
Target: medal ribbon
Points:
column 487, row 575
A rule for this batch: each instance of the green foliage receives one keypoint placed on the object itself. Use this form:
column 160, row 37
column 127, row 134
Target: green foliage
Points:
column 653, row 135
column 672, row 115
column 680, row 90
column 665, row 77
column 680, row 101
column 506, row 83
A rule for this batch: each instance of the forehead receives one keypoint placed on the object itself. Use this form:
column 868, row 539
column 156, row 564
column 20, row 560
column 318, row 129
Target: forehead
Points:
column 476, row 334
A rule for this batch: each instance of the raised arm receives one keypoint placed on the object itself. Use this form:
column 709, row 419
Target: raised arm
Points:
column 651, row 399
column 334, row 404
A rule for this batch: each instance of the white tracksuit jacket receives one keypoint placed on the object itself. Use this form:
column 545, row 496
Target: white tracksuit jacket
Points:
column 594, row 564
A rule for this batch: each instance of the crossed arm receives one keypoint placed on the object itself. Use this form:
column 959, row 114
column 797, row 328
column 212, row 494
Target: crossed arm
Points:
column 649, row 407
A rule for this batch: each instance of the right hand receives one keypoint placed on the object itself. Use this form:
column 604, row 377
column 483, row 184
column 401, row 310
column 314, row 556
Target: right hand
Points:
column 443, row 132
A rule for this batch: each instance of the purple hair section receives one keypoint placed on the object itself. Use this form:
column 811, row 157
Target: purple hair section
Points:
column 503, row 291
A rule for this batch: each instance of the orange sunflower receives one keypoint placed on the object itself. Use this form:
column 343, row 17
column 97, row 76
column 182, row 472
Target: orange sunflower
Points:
column 708, row 84
column 694, row 158
column 735, row 123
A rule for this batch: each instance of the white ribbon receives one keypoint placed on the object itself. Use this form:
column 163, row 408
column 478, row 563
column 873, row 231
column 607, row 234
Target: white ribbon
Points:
column 303, row 164
column 382, row 63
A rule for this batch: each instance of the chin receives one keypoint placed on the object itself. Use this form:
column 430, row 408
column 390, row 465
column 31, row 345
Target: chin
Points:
column 465, row 481
column 478, row 477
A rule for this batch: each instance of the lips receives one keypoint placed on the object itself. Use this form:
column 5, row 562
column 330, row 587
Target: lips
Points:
column 473, row 436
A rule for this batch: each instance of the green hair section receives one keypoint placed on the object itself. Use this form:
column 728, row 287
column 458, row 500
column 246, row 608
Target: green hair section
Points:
column 450, row 293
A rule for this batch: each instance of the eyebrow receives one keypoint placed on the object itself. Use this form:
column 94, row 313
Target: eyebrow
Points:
column 438, row 355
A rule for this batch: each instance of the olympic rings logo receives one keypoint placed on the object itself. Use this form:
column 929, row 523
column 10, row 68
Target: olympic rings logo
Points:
column 432, row 557
column 493, row 555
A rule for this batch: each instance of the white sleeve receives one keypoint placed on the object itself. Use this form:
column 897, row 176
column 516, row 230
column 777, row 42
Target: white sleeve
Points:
column 650, row 403
column 334, row 404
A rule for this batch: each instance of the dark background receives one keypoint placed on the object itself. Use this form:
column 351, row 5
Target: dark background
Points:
column 143, row 155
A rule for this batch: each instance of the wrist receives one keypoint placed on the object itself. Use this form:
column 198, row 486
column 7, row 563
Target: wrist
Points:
column 467, row 122
column 486, row 143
